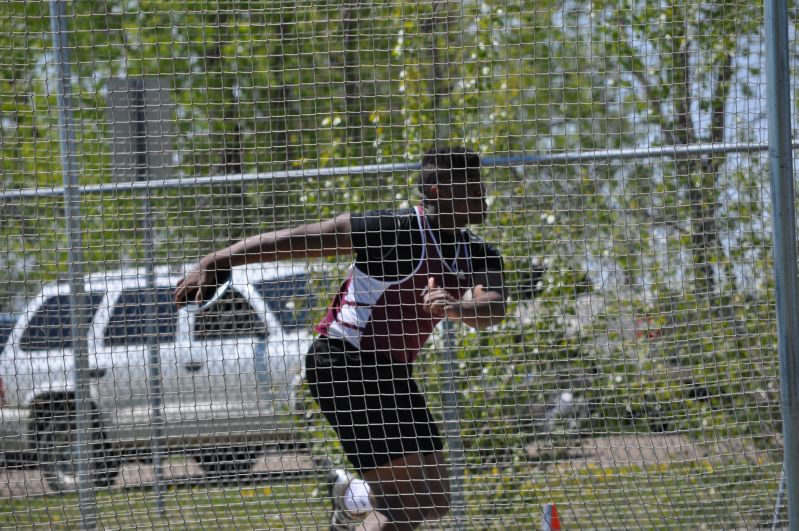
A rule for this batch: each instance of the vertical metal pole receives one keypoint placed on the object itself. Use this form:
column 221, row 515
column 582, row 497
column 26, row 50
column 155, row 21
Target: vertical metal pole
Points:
column 775, row 521
column 785, row 267
column 80, row 302
column 452, row 429
column 155, row 387
column 441, row 71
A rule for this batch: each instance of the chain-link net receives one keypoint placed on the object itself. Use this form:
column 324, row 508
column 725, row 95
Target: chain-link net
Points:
column 633, row 381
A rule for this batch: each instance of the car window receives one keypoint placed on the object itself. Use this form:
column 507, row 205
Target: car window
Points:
column 6, row 326
column 134, row 316
column 289, row 299
column 231, row 316
column 51, row 327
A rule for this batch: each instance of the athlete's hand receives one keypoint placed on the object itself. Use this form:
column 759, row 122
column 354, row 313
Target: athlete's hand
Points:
column 437, row 301
column 199, row 285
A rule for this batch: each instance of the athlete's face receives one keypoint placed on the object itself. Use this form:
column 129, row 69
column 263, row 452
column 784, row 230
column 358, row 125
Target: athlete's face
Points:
column 462, row 199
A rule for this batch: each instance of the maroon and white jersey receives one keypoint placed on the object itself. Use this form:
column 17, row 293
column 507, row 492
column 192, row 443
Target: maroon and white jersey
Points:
column 379, row 306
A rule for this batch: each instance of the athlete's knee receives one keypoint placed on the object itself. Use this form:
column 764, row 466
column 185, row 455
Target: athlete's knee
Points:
column 415, row 490
column 402, row 508
column 440, row 502
column 419, row 508
column 406, row 511
column 438, row 488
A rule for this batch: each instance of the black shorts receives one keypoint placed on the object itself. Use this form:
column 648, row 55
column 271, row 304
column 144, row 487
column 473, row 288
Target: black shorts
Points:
column 373, row 403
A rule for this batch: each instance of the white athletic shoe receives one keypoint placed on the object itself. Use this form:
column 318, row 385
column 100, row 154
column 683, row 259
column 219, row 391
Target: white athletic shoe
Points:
column 352, row 499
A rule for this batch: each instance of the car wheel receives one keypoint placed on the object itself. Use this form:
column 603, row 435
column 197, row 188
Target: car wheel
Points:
column 226, row 463
column 56, row 435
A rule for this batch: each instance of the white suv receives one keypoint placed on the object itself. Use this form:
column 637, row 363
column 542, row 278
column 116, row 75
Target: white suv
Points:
column 231, row 371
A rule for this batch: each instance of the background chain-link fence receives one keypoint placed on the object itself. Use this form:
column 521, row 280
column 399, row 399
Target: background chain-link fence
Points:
column 634, row 382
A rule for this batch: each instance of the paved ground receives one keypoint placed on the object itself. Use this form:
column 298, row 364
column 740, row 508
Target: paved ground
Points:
column 650, row 449
column 615, row 451
column 28, row 481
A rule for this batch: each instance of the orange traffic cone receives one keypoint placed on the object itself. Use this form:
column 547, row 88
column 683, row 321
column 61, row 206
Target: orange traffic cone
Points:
column 551, row 520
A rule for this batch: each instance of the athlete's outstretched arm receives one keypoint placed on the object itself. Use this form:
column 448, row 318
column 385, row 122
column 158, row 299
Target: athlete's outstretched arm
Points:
column 326, row 238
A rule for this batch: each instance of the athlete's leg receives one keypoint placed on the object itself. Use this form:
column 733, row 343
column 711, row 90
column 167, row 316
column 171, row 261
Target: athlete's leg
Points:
column 386, row 430
column 410, row 490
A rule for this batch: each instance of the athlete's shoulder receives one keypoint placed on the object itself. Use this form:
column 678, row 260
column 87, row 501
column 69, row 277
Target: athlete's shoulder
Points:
column 387, row 219
column 377, row 229
column 396, row 213
column 479, row 244
column 471, row 237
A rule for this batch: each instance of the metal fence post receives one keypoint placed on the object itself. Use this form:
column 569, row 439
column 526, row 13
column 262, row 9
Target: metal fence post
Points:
column 775, row 520
column 80, row 319
column 452, row 429
column 155, row 387
column 784, row 228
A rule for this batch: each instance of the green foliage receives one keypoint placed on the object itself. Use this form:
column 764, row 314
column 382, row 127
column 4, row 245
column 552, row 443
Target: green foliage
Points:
column 706, row 371
column 710, row 368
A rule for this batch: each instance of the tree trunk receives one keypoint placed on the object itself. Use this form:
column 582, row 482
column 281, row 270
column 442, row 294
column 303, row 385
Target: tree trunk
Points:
column 279, row 95
column 353, row 105
column 437, row 27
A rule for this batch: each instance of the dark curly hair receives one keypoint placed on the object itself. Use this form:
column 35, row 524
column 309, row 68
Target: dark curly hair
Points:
column 439, row 164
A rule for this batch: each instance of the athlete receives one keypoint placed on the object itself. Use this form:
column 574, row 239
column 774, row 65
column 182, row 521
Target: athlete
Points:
column 413, row 268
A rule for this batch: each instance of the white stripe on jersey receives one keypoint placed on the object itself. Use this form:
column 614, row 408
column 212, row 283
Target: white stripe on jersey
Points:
column 363, row 292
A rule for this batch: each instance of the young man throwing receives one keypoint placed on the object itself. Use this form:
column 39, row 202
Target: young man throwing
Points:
column 413, row 267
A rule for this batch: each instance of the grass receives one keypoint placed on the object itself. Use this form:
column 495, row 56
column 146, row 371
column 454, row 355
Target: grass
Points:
column 696, row 495
column 666, row 496
column 295, row 505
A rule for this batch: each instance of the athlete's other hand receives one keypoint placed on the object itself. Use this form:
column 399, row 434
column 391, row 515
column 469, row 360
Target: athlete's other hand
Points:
column 199, row 285
column 437, row 301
